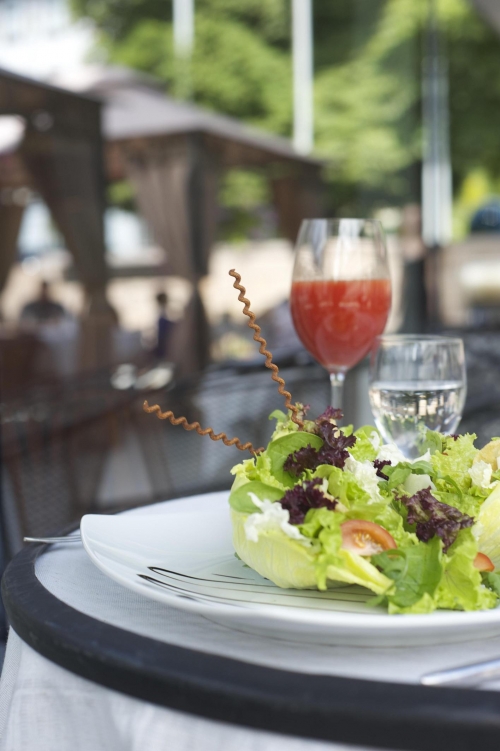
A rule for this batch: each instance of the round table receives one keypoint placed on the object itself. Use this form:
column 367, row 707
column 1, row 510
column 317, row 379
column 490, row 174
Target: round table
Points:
column 92, row 665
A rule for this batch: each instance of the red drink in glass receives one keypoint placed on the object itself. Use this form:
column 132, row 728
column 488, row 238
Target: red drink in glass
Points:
column 338, row 320
column 341, row 292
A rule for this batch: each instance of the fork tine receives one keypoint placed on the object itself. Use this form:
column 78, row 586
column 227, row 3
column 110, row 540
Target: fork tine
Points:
column 49, row 540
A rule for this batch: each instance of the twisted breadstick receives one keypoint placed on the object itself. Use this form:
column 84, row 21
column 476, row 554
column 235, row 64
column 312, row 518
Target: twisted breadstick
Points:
column 262, row 349
column 169, row 415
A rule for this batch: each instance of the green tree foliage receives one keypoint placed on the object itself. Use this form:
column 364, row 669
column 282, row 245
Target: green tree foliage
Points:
column 241, row 63
column 368, row 56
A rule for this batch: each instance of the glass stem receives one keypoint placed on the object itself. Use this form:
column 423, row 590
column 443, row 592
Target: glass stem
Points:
column 337, row 382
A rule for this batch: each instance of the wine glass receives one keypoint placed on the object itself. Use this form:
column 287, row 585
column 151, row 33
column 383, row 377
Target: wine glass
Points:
column 341, row 292
column 416, row 382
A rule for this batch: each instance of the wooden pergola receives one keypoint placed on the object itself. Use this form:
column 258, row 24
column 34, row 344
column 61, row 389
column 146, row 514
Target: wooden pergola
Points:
column 56, row 150
column 115, row 124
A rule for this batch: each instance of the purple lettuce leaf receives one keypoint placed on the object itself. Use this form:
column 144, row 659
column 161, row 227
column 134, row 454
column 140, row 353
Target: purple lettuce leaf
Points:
column 334, row 450
column 433, row 518
column 301, row 498
column 379, row 465
column 299, row 461
column 329, row 414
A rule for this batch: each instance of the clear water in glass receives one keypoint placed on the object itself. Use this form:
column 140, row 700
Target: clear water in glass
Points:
column 416, row 384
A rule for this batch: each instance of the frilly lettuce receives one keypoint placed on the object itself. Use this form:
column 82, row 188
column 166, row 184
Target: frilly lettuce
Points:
column 487, row 528
column 290, row 564
column 457, row 460
column 461, row 586
column 368, row 443
column 267, row 468
column 416, row 577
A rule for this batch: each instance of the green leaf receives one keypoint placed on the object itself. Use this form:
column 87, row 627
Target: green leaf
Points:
column 461, row 586
column 397, row 475
column 492, row 580
column 363, row 449
column 432, row 441
column 447, row 480
column 457, row 461
column 281, row 448
column 400, row 472
column 422, row 468
column 415, row 570
column 342, row 485
column 278, row 415
column 239, row 499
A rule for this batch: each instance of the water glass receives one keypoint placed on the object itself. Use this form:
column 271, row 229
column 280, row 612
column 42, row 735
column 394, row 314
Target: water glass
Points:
column 416, row 382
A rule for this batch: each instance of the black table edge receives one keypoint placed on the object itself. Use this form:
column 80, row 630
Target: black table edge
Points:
column 344, row 710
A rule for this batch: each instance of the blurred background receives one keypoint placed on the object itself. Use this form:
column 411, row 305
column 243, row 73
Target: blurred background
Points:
column 149, row 146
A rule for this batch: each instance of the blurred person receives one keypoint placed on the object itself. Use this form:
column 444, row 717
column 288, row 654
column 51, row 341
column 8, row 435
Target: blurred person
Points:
column 43, row 309
column 164, row 327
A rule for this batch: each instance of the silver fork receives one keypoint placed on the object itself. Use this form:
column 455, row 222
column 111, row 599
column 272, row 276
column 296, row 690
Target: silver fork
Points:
column 49, row 540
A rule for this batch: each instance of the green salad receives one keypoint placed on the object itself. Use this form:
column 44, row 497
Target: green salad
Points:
column 324, row 504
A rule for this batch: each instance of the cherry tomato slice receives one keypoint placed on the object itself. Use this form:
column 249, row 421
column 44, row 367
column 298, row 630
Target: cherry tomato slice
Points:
column 483, row 563
column 365, row 538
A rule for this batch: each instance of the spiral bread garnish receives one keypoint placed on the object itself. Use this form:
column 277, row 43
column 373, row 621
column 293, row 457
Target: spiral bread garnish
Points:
column 262, row 349
column 169, row 415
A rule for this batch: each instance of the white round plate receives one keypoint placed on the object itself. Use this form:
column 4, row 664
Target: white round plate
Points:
column 184, row 557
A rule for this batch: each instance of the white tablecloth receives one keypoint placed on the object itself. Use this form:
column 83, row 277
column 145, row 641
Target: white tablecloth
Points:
column 47, row 708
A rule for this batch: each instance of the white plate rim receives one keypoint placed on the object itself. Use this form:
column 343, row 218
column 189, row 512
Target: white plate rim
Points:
column 300, row 616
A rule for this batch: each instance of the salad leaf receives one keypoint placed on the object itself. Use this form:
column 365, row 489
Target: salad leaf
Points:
column 336, row 564
column 491, row 580
column 301, row 498
column 299, row 461
column 291, row 564
column 286, row 562
column 379, row 466
column 426, row 604
column 336, row 441
column 467, row 502
column 368, row 442
column 352, row 569
column 333, row 451
column 415, row 571
column 280, row 417
column 399, row 473
column 285, row 425
column 433, row 518
column 279, row 450
column 330, row 414
column 321, row 476
column 432, row 441
column 487, row 529
column 414, row 483
column 343, row 486
column 461, row 586
column 258, row 469
column 357, row 503
column 239, row 499
column 457, row 460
